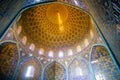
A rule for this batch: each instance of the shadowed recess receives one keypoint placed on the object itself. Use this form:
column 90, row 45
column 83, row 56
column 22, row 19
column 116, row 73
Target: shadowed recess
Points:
column 55, row 71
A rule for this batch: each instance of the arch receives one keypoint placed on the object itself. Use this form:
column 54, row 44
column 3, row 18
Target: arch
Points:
column 19, row 11
column 29, row 68
column 102, row 64
column 79, row 70
column 55, row 71
column 8, row 59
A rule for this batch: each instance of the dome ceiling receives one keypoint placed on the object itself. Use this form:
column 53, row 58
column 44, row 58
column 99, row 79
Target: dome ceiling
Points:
column 55, row 28
column 54, row 25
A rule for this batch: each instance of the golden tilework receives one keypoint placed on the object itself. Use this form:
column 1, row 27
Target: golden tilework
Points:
column 55, row 71
column 8, row 59
column 54, row 25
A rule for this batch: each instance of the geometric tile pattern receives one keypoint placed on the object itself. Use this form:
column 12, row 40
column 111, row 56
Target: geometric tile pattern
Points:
column 8, row 59
column 55, row 71
column 102, row 64
column 54, row 25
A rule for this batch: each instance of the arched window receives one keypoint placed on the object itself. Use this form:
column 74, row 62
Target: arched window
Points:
column 30, row 72
column 32, row 47
column 29, row 69
column 86, row 42
column 41, row 51
column 78, row 48
column 24, row 40
column 79, row 70
column 91, row 34
column 70, row 52
column 60, row 54
column 50, row 54
column 19, row 29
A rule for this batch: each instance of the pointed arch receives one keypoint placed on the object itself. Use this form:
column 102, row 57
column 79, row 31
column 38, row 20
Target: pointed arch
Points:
column 8, row 59
column 55, row 71
column 29, row 68
column 79, row 70
column 102, row 64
